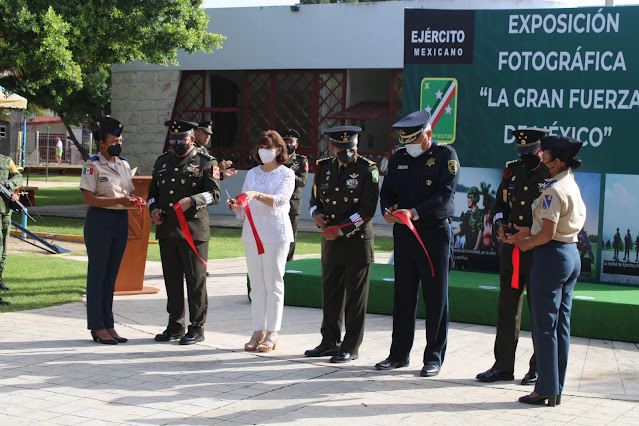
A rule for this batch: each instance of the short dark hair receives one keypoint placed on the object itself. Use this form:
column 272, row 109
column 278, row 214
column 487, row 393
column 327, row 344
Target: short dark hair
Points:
column 271, row 139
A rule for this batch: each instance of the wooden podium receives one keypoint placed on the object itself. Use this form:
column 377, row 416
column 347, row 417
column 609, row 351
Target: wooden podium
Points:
column 131, row 275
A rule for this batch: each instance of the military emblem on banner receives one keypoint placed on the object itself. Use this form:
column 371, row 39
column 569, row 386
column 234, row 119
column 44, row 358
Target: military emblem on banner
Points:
column 439, row 97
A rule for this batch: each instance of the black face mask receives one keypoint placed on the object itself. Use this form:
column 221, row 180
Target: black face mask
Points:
column 346, row 156
column 531, row 161
column 290, row 149
column 114, row 150
column 179, row 148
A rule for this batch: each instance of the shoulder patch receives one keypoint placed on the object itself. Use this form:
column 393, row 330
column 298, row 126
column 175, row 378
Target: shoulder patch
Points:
column 122, row 158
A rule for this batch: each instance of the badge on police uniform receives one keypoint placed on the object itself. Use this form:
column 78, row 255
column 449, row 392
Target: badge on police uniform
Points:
column 452, row 167
column 431, row 161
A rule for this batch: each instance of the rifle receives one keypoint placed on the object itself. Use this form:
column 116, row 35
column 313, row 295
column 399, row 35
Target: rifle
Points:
column 16, row 206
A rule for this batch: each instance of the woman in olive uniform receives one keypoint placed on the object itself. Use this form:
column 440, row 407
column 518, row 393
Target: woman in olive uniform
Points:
column 558, row 216
column 107, row 188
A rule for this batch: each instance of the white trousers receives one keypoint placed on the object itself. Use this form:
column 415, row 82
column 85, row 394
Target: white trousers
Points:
column 266, row 272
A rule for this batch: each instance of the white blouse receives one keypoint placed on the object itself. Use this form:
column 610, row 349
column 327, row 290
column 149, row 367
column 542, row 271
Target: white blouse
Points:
column 272, row 223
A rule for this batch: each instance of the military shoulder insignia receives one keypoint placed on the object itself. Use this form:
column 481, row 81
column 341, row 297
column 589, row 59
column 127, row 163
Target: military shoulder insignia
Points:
column 216, row 172
column 431, row 161
column 205, row 155
column 453, row 167
column 87, row 170
column 306, row 166
column 375, row 175
column 122, row 158
column 545, row 202
column 94, row 158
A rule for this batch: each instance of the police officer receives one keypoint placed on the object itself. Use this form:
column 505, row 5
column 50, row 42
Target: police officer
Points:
column 345, row 193
column 189, row 177
column 420, row 183
column 12, row 179
column 107, row 188
column 520, row 186
column 203, row 133
column 299, row 164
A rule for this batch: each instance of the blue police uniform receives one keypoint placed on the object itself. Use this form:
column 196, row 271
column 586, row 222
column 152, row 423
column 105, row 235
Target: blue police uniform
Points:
column 105, row 229
column 426, row 184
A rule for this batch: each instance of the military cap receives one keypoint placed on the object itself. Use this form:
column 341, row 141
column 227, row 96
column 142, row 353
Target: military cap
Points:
column 110, row 125
column 180, row 129
column 343, row 137
column 410, row 127
column 562, row 147
column 290, row 135
column 528, row 139
column 206, row 126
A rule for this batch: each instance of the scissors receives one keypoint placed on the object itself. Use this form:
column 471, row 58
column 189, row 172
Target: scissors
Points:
column 231, row 199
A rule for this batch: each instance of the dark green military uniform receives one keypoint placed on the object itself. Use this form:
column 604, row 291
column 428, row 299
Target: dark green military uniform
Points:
column 345, row 196
column 9, row 175
column 616, row 244
column 299, row 164
column 471, row 226
column 518, row 189
column 627, row 246
column 195, row 175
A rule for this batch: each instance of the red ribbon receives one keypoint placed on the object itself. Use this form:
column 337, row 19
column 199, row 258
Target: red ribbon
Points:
column 185, row 229
column 247, row 210
column 514, row 282
column 404, row 218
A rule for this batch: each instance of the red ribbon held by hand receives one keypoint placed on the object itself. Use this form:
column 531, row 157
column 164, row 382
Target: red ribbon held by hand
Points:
column 245, row 205
column 185, row 229
column 514, row 282
column 404, row 218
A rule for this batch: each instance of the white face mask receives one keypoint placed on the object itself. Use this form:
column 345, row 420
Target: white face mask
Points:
column 414, row 149
column 266, row 155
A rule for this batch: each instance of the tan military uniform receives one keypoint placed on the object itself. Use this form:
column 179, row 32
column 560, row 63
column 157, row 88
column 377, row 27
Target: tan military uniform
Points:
column 106, row 179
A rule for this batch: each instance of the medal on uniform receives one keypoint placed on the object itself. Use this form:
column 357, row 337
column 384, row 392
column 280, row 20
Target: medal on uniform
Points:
column 351, row 183
column 429, row 182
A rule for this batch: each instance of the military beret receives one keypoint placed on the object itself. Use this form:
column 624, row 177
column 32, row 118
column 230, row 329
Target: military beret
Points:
column 290, row 134
column 528, row 139
column 206, row 126
column 343, row 137
column 110, row 125
column 411, row 126
column 180, row 129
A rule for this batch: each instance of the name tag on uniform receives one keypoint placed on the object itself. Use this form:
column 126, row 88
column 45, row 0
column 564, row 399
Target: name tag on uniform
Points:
column 402, row 167
column 351, row 183
column 104, row 179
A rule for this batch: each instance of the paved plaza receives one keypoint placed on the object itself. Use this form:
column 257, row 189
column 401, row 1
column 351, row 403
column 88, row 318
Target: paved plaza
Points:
column 51, row 372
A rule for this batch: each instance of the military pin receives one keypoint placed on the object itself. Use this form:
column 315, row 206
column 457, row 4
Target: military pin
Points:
column 429, row 182
column 182, row 181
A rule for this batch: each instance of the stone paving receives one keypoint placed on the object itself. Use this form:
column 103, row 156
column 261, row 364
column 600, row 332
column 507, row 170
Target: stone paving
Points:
column 51, row 372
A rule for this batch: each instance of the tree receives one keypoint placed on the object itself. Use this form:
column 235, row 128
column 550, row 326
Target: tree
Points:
column 60, row 56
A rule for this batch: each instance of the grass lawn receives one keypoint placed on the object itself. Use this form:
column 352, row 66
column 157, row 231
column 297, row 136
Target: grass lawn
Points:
column 61, row 196
column 39, row 281
column 52, row 178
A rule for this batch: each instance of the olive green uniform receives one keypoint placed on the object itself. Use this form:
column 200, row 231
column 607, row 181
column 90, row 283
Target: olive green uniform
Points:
column 474, row 223
column 299, row 164
column 10, row 175
column 345, row 196
column 195, row 175
column 518, row 189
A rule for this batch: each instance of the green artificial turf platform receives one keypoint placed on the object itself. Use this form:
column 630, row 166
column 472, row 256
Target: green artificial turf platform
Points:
column 599, row 311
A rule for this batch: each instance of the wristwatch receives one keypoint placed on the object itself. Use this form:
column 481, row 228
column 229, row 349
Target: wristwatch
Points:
column 260, row 196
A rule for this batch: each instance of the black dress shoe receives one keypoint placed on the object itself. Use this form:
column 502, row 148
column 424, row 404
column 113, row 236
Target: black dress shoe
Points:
column 494, row 375
column 539, row 400
column 4, row 302
column 388, row 364
column 322, row 350
column 110, row 341
column 191, row 339
column 167, row 336
column 430, row 370
column 342, row 357
column 121, row 339
column 3, row 287
column 530, row 378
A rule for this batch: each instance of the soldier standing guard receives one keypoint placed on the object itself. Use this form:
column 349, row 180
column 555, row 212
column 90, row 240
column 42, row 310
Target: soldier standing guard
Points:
column 520, row 186
column 616, row 244
column 190, row 177
column 627, row 246
column 299, row 164
column 345, row 192
column 420, row 183
column 12, row 179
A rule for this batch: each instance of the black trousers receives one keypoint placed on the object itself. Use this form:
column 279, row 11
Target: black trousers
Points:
column 344, row 297
column 105, row 236
column 411, row 267
column 295, row 220
column 509, row 308
column 179, row 261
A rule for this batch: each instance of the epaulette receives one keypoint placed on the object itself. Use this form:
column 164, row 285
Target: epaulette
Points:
column 206, row 155
column 368, row 161
column 302, row 156
column 324, row 160
column 122, row 158
column 513, row 163
column 95, row 157
column 163, row 154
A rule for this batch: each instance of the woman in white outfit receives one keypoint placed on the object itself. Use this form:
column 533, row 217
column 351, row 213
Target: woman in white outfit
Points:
column 268, row 189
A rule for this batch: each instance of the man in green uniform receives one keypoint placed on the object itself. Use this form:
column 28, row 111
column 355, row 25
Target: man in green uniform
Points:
column 472, row 225
column 627, row 246
column 12, row 179
column 190, row 178
column 345, row 193
column 520, row 186
column 299, row 164
column 616, row 244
